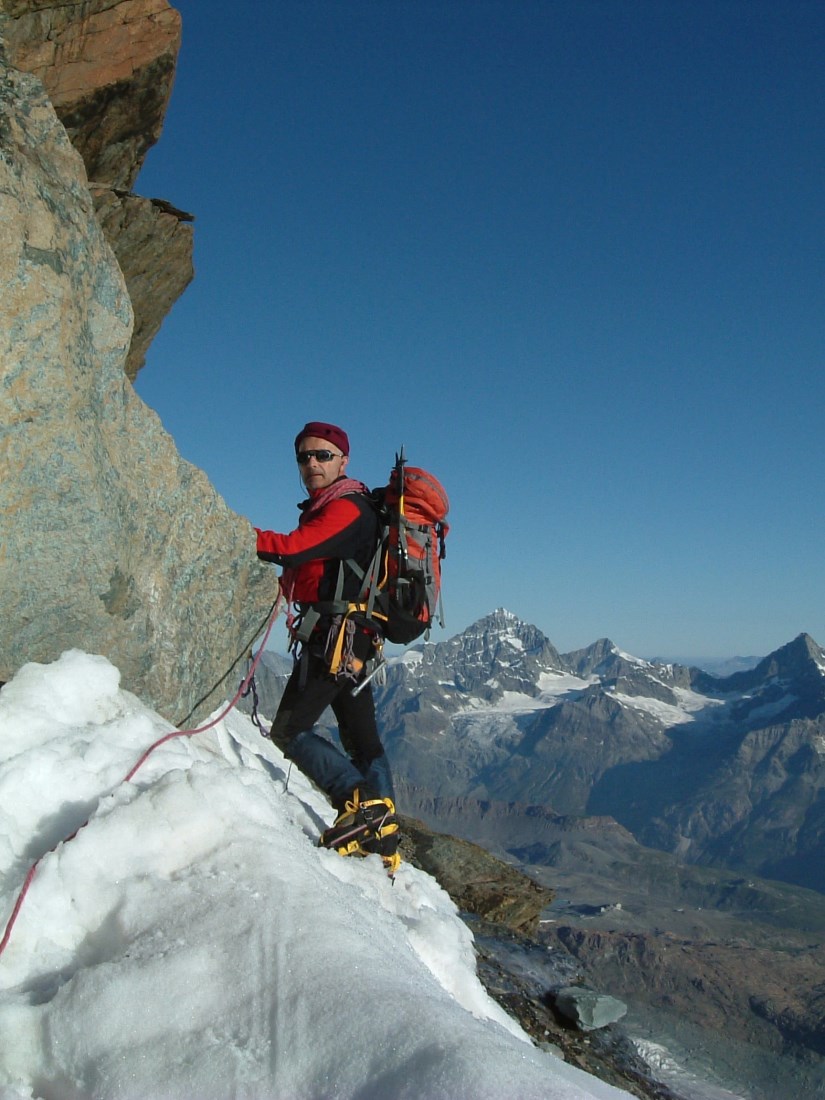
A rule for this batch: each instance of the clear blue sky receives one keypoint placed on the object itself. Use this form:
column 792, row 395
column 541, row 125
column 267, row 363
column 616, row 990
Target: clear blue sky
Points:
column 570, row 254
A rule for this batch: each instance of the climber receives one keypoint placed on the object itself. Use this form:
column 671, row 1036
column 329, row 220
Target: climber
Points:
column 334, row 542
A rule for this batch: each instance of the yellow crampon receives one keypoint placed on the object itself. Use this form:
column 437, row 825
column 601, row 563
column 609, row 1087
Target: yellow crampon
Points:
column 355, row 848
column 365, row 829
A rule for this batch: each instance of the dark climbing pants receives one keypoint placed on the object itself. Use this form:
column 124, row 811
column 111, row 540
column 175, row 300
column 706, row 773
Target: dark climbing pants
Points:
column 363, row 764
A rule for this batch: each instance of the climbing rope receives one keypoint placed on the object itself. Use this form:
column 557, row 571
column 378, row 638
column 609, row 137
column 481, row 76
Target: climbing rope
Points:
column 242, row 690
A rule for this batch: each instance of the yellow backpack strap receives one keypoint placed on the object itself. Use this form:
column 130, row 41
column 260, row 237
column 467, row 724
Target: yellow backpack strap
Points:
column 337, row 658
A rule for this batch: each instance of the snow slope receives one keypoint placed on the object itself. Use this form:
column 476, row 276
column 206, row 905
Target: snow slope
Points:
column 192, row 942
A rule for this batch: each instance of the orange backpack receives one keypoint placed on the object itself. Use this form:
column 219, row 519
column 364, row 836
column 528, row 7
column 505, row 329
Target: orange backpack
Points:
column 413, row 508
column 401, row 589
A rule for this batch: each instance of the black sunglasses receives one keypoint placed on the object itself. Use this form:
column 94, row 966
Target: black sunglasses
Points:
column 303, row 457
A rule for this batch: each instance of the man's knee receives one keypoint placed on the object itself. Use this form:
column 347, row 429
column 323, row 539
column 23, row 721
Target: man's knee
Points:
column 378, row 776
column 280, row 734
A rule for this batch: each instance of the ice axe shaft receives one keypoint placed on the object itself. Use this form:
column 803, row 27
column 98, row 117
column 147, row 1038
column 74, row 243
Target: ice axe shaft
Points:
column 360, row 687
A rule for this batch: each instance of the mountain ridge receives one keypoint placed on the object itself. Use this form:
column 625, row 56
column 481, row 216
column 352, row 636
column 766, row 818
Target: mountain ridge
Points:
column 672, row 753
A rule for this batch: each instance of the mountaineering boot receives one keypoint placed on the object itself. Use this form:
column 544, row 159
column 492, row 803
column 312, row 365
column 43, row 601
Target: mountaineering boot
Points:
column 385, row 844
column 365, row 828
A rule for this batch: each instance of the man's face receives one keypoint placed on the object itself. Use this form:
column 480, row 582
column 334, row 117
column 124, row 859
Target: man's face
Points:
column 316, row 474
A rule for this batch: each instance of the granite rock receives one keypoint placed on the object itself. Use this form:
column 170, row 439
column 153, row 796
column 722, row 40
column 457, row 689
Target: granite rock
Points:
column 109, row 541
column 586, row 1008
column 108, row 67
column 153, row 244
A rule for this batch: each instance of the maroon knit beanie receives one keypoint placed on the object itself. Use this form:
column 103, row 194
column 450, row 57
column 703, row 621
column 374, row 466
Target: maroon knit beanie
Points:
column 336, row 436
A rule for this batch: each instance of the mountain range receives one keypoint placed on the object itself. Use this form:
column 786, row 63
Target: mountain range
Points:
column 721, row 771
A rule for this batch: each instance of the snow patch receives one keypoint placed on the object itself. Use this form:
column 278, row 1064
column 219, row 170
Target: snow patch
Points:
column 665, row 713
column 190, row 939
column 410, row 657
column 631, row 660
column 556, row 685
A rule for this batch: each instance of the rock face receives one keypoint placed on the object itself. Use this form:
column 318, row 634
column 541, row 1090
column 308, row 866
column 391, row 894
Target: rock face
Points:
column 108, row 67
column 110, row 542
column 153, row 246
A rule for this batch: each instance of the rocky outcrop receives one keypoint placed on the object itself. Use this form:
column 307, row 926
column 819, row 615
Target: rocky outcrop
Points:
column 108, row 67
column 477, row 881
column 153, row 246
column 110, row 542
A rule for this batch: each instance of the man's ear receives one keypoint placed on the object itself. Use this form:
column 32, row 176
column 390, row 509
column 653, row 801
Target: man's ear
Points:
column 344, row 462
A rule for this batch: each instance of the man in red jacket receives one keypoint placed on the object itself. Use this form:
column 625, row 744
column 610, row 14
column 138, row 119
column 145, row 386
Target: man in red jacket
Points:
column 338, row 527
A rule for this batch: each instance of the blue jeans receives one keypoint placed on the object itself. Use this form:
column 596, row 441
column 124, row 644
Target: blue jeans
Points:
column 363, row 764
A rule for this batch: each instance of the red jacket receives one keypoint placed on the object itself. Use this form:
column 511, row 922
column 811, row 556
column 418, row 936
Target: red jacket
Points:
column 345, row 528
